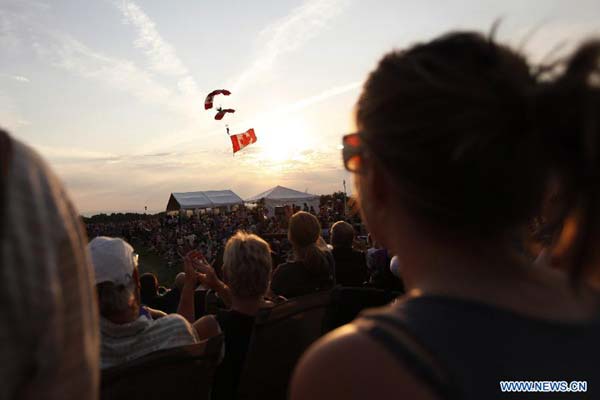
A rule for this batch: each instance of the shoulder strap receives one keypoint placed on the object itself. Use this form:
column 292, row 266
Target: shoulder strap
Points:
column 395, row 337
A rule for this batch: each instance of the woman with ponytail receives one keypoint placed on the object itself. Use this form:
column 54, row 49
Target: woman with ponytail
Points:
column 457, row 141
column 312, row 267
column 571, row 104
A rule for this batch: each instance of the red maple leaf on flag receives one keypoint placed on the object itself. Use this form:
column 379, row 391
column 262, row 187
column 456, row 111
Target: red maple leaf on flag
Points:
column 242, row 140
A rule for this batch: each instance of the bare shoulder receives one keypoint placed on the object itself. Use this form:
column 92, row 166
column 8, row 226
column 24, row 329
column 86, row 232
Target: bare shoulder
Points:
column 207, row 327
column 347, row 363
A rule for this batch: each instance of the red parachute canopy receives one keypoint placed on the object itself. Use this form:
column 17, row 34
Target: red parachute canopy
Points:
column 208, row 103
column 242, row 140
column 222, row 113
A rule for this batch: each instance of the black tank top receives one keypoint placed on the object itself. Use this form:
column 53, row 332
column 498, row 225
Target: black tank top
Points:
column 462, row 349
column 237, row 329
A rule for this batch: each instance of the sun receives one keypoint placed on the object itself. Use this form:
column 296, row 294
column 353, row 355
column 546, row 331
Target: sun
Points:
column 283, row 140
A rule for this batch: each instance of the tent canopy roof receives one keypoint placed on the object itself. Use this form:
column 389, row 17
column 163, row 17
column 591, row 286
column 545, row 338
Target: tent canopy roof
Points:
column 204, row 199
column 282, row 193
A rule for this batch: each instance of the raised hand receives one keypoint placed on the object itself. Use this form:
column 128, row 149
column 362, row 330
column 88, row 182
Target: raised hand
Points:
column 191, row 276
column 207, row 274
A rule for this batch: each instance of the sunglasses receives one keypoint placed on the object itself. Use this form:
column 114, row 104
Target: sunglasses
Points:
column 352, row 152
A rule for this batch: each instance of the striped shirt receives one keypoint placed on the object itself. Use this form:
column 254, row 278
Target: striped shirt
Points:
column 125, row 342
column 49, row 336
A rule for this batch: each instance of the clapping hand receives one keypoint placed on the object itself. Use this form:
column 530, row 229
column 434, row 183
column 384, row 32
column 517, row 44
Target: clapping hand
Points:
column 202, row 270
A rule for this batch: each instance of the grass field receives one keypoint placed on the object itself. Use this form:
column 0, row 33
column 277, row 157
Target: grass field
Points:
column 152, row 262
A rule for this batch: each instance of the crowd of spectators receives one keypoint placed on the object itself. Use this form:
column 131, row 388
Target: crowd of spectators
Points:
column 136, row 319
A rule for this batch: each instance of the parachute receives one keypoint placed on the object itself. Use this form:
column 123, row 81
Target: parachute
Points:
column 221, row 113
column 240, row 140
column 208, row 103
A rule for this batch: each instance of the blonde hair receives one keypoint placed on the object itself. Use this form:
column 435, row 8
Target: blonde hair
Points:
column 247, row 265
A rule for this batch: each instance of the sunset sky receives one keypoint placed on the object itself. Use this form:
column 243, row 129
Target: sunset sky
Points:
column 111, row 92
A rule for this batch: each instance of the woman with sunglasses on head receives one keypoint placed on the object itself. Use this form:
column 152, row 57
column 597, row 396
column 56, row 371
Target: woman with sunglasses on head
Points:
column 456, row 140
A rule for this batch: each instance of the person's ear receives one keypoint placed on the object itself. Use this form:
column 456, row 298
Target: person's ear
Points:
column 375, row 198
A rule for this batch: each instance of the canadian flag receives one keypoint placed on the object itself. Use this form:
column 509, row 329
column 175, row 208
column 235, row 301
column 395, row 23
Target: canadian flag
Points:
column 242, row 140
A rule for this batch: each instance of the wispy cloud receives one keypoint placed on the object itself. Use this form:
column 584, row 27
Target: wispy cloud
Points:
column 161, row 54
column 74, row 56
column 304, row 103
column 320, row 97
column 71, row 154
column 10, row 117
column 66, row 52
column 288, row 34
column 18, row 78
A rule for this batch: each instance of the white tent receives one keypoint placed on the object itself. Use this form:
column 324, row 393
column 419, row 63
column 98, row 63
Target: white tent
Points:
column 282, row 196
column 201, row 200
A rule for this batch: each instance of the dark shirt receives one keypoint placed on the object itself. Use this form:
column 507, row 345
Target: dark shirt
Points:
column 293, row 279
column 170, row 301
column 152, row 301
column 237, row 329
column 474, row 346
column 350, row 266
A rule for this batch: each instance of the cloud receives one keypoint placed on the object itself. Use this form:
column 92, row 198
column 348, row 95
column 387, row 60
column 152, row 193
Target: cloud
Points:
column 18, row 78
column 70, row 154
column 72, row 55
column 10, row 117
column 160, row 53
column 288, row 34
column 318, row 98
column 64, row 51
column 107, row 181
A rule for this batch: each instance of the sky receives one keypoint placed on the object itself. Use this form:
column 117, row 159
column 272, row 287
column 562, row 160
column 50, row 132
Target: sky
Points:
column 111, row 92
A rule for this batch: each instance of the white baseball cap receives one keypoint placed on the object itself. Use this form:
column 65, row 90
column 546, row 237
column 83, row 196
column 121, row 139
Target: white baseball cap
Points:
column 114, row 260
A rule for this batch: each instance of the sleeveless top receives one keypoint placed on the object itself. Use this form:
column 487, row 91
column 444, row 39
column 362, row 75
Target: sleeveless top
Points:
column 462, row 349
column 237, row 329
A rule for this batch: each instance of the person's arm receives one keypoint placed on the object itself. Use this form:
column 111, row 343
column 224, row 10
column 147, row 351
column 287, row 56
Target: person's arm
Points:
column 186, row 301
column 224, row 293
column 155, row 314
column 347, row 364
column 209, row 278
column 207, row 327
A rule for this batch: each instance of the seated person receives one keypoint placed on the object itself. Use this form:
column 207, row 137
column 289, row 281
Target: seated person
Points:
column 170, row 300
column 313, row 266
column 379, row 264
column 129, row 331
column 246, row 271
column 350, row 264
column 149, row 291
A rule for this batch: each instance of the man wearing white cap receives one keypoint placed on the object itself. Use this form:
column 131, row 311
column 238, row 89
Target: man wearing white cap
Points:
column 129, row 331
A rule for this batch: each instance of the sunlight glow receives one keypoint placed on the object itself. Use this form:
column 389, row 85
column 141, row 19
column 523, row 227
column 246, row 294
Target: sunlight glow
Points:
column 284, row 140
